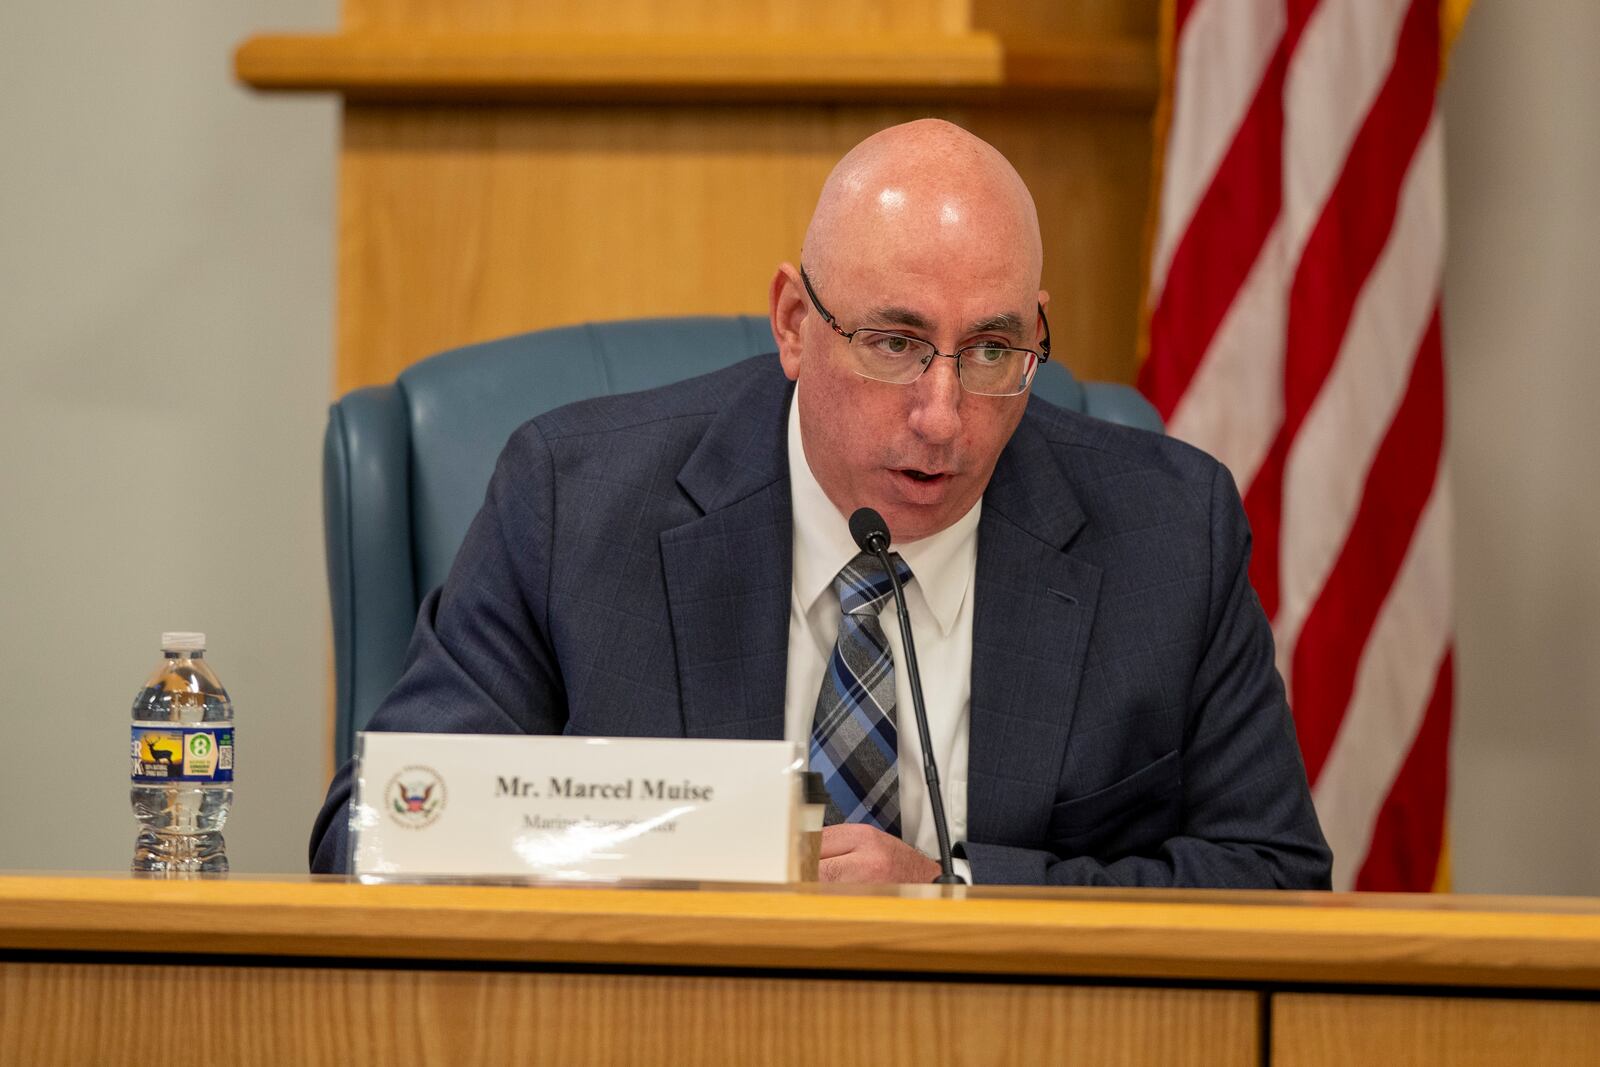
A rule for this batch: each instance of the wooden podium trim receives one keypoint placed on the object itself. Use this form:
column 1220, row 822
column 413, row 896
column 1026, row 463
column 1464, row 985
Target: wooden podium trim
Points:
column 1150, row 934
column 646, row 68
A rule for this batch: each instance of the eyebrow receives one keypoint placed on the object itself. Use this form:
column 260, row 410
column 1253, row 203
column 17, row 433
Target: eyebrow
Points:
column 1008, row 322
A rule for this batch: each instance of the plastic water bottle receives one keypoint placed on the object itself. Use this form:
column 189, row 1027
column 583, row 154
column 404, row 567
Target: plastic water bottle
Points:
column 182, row 762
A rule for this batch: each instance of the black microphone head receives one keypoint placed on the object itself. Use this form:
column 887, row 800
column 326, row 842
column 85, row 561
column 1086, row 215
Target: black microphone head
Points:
column 869, row 530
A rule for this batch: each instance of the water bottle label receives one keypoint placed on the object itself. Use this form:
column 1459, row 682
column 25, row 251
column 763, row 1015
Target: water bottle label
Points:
column 182, row 754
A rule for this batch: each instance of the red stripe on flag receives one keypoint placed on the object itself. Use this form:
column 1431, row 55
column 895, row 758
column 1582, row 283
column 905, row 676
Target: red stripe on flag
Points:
column 1409, row 834
column 1224, row 236
column 1328, row 652
column 1263, row 503
column 1339, row 255
column 1181, row 10
column 1215, row 254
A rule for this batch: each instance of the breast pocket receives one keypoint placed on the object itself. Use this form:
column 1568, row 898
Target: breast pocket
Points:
column 1129, row 817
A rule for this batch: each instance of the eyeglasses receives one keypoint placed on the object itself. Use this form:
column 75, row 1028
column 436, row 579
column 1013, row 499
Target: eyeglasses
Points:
column 985, row 369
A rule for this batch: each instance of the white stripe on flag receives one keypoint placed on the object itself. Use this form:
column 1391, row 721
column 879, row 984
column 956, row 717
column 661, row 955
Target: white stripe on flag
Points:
column 1393, row 685
column 1224, row 49
column 1345, row 54
column 1234, row 404
column 1329, row 460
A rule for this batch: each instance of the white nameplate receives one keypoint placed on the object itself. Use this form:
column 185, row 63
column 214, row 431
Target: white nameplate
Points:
column 575, row 808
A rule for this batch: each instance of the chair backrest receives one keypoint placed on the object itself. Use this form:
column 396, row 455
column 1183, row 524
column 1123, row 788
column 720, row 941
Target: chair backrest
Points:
column 405, row 466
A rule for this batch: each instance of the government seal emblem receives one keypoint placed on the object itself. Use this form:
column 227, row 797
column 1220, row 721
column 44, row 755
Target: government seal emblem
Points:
column 414, row 797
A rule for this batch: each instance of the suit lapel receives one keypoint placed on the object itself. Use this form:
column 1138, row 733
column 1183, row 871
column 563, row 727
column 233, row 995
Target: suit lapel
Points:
column 1031, row 621
column 728, row 571
column 728, row 575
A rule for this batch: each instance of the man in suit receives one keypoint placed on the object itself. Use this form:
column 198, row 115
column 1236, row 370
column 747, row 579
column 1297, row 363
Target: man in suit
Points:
column 1102, row 697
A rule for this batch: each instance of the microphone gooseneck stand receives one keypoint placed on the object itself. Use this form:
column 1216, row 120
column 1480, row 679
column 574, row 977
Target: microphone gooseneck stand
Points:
column 871, row 534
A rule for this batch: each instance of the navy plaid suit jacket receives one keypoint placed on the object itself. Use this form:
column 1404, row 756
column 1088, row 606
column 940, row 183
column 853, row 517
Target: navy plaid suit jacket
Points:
column 629, row 575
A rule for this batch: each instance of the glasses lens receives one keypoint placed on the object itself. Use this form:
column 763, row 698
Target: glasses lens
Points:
column 997, row 371
column 890, row 357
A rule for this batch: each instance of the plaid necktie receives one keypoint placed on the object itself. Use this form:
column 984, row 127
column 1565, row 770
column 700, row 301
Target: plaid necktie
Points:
column 854, row 741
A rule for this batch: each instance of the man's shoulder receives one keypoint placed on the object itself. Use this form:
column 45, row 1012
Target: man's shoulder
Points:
column 1100, row 457
column 668, row 409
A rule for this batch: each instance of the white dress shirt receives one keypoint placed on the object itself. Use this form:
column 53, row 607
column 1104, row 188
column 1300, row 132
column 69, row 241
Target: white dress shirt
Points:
column 939, row 601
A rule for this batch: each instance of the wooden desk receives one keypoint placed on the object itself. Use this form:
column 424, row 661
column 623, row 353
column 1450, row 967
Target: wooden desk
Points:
column 306, row 970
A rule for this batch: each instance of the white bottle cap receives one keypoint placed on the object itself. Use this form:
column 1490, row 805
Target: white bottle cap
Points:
column 183, row 642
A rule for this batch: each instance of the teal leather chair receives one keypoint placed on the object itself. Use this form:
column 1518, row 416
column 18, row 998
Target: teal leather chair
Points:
column 405, row 466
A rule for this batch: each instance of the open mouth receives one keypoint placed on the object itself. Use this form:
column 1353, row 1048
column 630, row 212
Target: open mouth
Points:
column 922, row 476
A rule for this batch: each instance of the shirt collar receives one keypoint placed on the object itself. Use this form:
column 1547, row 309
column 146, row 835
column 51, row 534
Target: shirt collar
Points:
column 943, row 563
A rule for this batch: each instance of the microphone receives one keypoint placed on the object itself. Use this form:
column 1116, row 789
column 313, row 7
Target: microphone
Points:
column 871, row 534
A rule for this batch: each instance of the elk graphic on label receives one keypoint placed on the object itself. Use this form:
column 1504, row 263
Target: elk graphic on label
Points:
column 161, row 748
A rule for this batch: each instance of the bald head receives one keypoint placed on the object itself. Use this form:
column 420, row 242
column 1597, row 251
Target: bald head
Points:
column 929, row 187
column 922, row 232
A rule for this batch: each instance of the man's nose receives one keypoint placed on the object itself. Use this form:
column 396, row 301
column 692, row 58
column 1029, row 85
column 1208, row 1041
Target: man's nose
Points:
column 936, row 403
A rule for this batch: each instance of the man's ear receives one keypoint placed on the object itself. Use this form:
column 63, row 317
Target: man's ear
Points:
column 788, row 311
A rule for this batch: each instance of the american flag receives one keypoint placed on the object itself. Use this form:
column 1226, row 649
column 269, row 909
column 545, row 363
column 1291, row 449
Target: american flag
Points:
column 1294, row 332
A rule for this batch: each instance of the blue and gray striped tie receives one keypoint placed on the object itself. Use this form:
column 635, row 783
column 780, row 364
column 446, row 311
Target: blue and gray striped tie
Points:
column 854, row 740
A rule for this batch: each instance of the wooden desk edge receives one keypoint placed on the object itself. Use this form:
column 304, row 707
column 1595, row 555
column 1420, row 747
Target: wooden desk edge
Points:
column 1156, row 937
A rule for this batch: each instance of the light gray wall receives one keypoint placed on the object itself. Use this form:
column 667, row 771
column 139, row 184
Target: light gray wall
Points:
column 1522, row 319
column 166, row 250
column 166, row 272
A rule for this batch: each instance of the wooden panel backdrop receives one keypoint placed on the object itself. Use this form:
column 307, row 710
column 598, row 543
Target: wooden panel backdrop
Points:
column 510, row 165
